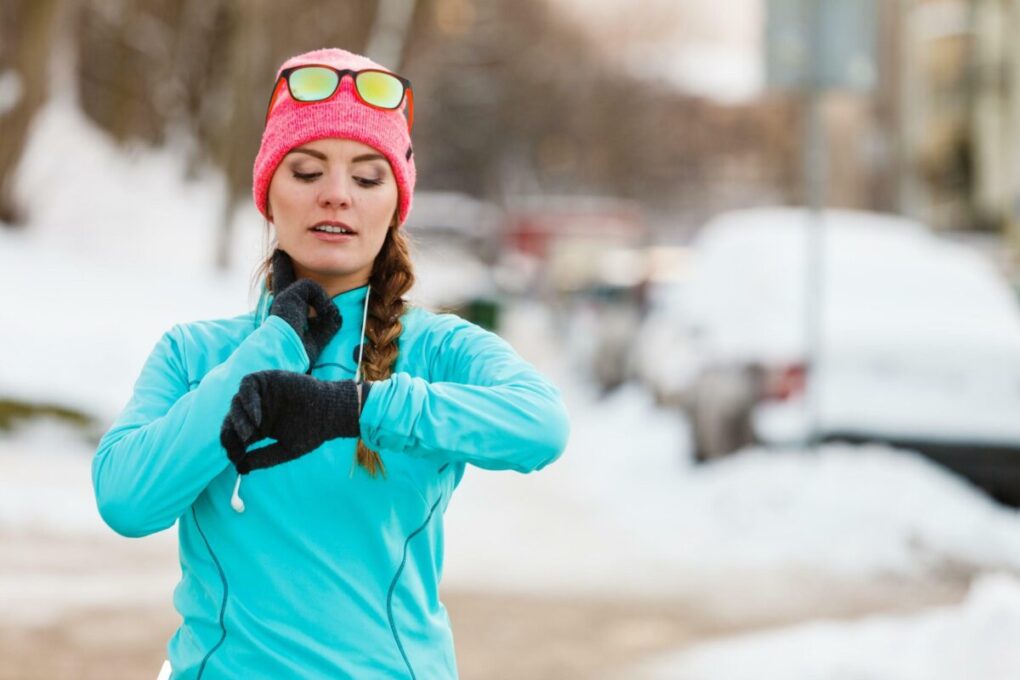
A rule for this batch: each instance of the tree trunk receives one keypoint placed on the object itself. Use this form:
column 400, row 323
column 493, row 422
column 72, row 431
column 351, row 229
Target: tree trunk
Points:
column 31, row 35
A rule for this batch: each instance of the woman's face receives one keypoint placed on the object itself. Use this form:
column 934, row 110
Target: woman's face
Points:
column 340, row 182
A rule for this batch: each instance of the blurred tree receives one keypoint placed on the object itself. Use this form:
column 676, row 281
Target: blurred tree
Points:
column 518, row 101
column 390, row 27
column 511, row 99
column 205, row 66
column 26, row 28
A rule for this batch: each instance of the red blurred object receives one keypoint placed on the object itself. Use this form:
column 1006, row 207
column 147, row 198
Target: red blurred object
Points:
column 536, row 226
column 785, row 382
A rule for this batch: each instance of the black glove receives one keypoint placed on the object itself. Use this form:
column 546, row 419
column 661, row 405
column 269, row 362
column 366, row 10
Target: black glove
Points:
column 298, row 411
column 291, row 304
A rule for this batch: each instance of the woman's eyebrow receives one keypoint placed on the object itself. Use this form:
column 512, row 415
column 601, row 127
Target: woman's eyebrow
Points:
column 368, row 157
column 310, row 152
column 321, row 156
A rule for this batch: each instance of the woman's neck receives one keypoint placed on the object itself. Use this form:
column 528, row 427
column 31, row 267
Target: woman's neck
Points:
column 334, row 285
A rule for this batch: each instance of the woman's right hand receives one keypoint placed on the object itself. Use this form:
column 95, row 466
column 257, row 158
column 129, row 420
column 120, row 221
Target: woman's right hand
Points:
column 292, row 301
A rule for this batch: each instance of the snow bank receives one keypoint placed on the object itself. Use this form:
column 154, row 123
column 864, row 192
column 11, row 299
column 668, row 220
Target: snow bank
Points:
column 848, row 510
column 976, row 639
column 625, row 513
column 47, row 481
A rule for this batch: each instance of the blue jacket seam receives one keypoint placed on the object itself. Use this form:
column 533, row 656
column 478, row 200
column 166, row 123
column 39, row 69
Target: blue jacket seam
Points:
column 393, row 586
column 223, row 605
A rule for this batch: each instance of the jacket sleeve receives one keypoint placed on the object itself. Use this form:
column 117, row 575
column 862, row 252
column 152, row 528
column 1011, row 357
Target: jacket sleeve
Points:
column 492, row 409
column 164, row 448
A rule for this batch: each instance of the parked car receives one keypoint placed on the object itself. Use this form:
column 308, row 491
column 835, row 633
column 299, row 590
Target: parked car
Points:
column 919, row 342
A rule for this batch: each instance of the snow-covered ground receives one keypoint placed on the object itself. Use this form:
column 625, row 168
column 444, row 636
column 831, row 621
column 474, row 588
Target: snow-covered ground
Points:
column 624, row 513
column 976, row 639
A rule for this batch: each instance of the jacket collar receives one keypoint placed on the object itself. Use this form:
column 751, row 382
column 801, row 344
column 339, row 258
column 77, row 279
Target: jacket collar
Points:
column 351, row 304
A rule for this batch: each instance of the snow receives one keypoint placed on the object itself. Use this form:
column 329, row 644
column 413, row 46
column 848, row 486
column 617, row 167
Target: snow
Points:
column 47, row 480
column 976, row 639
column 125, row 208
column 88, row 288
column 56, row 554
column 83, row 329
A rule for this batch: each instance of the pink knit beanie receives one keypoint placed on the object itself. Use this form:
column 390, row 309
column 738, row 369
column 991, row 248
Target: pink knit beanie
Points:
column 293, row 123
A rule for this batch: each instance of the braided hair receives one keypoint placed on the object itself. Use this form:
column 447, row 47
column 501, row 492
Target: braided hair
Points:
column 392, row 277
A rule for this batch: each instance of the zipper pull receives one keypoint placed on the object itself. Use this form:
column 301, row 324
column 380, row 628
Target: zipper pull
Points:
column 235, row 500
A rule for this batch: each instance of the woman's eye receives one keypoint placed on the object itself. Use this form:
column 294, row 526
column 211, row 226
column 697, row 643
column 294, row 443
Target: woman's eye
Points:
column 366, row 182
column 306, row 176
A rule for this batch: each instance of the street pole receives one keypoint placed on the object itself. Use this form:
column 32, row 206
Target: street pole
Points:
column 814, row 169
column 812, row 47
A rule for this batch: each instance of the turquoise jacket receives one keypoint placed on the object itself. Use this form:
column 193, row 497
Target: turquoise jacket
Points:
column 328, row 573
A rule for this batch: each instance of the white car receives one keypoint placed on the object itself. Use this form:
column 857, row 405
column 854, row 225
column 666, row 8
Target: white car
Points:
column 919, row 341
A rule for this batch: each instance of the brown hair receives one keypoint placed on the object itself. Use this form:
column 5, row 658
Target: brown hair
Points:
column 392, row 276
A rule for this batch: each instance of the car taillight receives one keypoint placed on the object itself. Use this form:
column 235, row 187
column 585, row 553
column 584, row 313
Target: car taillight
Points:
column 785, row 382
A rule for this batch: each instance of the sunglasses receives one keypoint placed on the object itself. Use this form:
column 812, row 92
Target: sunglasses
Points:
column 317, row 82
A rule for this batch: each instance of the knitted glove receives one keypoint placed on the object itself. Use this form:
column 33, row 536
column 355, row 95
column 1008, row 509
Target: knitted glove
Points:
column 298, row 411
column 291, row 304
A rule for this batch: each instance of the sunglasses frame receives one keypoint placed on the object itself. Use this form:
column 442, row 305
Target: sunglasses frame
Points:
column 407, row 95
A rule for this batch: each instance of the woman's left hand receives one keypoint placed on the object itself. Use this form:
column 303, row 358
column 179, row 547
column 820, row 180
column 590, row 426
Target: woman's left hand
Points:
column 297, row 410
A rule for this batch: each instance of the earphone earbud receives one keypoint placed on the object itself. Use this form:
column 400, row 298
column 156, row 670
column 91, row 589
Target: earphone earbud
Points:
column 235, row 500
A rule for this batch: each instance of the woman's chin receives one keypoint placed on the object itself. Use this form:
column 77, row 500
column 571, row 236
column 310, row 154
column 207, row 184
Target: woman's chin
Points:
column 323, row 259
column 328, row 267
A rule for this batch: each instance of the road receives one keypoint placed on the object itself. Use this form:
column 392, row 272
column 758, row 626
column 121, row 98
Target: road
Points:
column 99, row 608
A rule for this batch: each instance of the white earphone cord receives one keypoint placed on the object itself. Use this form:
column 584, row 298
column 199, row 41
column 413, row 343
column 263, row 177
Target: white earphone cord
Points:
column 361, row 347
column 235, row 500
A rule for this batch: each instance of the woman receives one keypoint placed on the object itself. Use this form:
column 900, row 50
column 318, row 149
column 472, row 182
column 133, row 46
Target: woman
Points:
column 349, row 415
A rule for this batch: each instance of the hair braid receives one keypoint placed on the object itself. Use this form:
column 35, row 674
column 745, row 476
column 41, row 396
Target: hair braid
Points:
column 392, row 276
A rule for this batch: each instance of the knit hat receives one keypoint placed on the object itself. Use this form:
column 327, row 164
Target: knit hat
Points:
column 293, row 123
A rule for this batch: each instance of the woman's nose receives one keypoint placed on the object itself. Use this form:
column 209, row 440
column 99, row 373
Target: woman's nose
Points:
column 336, row 192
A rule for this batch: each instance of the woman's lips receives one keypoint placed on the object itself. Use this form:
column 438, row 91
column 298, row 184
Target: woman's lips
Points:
column 332, row 238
